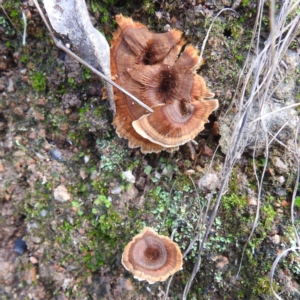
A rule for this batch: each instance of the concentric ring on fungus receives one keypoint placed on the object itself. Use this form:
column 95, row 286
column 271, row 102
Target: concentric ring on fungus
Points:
column 152, row 257
column 148, row 65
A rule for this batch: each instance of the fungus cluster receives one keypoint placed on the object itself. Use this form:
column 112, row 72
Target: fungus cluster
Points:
column 160, row 70
column 152, row 257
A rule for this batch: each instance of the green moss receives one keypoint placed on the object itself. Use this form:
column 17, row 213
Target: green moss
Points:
column 262, row 287
column 297, row 202
column 39, row 81
column 233, row 202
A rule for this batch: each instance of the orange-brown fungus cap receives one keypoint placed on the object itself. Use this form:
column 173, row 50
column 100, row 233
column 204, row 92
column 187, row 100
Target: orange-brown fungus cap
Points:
column 152, row 257
column 175, row 124
column 148, row 65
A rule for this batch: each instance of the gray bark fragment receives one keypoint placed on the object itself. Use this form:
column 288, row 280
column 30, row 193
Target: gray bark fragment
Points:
column 70, row 18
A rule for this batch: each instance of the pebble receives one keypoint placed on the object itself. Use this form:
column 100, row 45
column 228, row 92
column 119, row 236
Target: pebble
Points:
column 279, row 211
column 61, row 194
column 129, row 176
column 208, row 182
column 10, row 87
column 116, row 190
column 43, row 213
column 34, row 260
column 189, row 172
column 20, row 246
column 36, row 239
column 39, row 156
column 83, row 174
column 281, row 179
column 56, row 154
column 252, row 201
column 275, row 239
column 279, row 166
column 157, row 175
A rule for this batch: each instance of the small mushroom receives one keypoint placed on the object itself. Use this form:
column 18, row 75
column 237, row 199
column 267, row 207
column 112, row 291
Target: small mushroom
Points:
column 152, row 257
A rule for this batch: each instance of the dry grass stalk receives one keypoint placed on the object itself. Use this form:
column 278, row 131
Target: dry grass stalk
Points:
column 283, row 32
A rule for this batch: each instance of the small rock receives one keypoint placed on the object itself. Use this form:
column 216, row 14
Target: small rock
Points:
column 61, row 194
column 129, row 176
column 275, row 239
column 157, row 175
column 167, row 28
column 189, row 172
column 36, row 239
column 56, row 154
column 34, row 260
column 20, row 246
column 43, row 213
column 10, row 87
column 158, row 15
column 116, row 190
column 281, row 179
column 279, row 165
column 208, row 182
column 252, row 201
column 83, row 174
column 39, row 156
column 279, row 211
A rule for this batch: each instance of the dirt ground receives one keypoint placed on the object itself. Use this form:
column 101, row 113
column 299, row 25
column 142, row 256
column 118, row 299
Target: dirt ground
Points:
column 65, row 192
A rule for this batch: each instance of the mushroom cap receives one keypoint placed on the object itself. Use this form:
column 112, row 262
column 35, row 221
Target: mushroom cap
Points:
column 175, row 124
column 152, row 257
column 134, row 44
column 148, row 65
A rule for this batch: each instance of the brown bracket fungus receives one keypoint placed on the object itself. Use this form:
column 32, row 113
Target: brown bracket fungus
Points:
column 152, row 67
column 152, row 257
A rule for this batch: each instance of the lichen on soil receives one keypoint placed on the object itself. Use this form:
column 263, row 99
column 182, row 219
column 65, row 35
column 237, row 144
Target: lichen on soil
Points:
column 63, row 186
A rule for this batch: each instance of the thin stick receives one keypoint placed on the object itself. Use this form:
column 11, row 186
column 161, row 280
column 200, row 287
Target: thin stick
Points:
column 275, row 111
column 25, row 27
column 208, row 32
column 60, row 45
